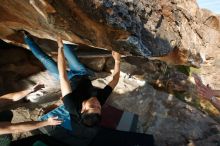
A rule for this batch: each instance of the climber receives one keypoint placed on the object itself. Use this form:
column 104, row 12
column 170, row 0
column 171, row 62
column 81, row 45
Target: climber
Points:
column 6, row 127
column 207, row 93
column 82, row 102
column 81, row 99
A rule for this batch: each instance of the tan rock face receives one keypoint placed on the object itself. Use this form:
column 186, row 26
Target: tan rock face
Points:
column 147, row 28
column 210, row 50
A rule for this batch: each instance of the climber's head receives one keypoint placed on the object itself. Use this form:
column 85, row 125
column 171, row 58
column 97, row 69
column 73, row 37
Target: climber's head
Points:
column 91, row 112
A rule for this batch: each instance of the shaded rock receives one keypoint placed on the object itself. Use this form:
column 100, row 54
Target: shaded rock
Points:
column 139, row 67
column 96, row 64
column 210, row 141
column 176, row 81
column 146, row 28
column 158, row 74
column 16, row 63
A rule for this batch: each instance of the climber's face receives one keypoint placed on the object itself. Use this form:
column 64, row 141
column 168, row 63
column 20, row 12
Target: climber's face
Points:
column 92, row 105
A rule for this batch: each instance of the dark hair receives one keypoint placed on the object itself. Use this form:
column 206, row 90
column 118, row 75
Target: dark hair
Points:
column 90, row 119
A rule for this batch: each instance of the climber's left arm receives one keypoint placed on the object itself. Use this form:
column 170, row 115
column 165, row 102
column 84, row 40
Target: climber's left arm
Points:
column 64, row 81
column 116, row 72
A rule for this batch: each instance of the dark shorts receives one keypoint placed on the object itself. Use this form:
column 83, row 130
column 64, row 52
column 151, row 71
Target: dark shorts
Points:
column 109, row 137
column 5, row 116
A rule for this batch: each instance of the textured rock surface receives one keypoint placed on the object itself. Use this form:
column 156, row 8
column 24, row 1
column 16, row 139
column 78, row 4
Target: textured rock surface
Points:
column 171, row 121
column 209, row 32
column 148, row 28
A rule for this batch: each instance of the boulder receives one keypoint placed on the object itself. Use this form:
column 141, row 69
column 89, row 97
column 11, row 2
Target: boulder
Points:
column 175, row 29
column 171, row 121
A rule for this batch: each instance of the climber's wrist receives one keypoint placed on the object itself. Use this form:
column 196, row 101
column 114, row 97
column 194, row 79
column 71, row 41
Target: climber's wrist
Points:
column 117, row 61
